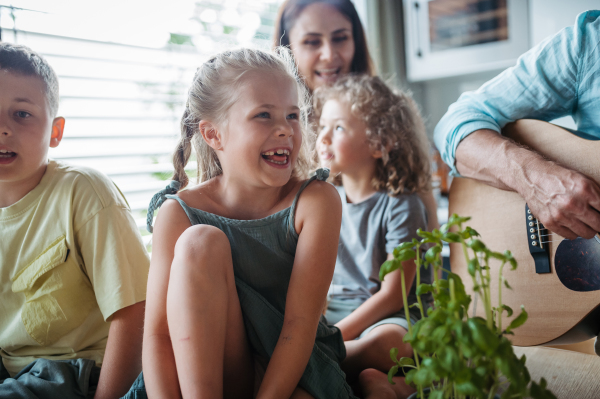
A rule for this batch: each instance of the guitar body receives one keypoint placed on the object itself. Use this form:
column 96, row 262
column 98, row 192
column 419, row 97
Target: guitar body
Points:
column 564, row 303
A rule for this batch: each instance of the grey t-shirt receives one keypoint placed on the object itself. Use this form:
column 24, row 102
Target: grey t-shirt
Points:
column 370, row 230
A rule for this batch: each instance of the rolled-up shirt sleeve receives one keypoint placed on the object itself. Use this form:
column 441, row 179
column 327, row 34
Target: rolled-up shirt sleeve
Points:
column 542, row 85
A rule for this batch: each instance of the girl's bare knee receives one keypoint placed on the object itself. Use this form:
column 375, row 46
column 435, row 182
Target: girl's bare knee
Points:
column 202, row 240
column 388, row 336
column 199, row 250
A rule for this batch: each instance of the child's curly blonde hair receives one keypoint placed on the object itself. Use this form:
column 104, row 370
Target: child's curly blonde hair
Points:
column 394, row 127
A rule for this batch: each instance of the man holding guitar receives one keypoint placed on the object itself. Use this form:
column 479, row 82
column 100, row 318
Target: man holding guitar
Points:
column 559, row 77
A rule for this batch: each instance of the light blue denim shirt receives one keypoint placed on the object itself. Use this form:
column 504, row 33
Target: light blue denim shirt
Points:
column 558, row 77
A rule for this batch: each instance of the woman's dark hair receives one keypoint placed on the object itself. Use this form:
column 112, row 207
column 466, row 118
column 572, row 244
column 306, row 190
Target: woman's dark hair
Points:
column 289, row 12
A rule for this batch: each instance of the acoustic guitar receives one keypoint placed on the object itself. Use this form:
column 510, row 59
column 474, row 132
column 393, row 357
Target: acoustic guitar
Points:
column 557, row 280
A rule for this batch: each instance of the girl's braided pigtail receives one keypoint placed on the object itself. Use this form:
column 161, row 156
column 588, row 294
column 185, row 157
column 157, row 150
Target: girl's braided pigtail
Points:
column 183, row 150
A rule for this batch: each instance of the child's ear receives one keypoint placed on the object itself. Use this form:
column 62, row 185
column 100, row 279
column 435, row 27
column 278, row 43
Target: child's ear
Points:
column 58, row 127
column 210, row 134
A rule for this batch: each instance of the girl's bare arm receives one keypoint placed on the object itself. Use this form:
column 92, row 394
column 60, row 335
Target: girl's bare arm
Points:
column 160, row 373
column 383, row 303
column 318, row 221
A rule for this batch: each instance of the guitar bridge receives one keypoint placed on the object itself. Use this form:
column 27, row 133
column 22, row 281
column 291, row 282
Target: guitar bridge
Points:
column 539, row 250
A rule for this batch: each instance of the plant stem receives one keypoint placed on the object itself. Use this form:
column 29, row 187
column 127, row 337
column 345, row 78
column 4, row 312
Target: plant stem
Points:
column 488, row 295
column 500, row 278
column 405, row 300
column 407, row 313
column 418, row 266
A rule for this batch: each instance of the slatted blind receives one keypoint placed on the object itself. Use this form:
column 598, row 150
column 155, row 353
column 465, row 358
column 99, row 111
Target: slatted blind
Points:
column 122, row 102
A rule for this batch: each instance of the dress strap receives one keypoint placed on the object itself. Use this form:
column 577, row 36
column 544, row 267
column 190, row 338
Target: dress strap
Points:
column 158, row 199
column 321, row 174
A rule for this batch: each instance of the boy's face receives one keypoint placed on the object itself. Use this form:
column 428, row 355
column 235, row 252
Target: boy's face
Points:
column 342, row 144
column 27, row 129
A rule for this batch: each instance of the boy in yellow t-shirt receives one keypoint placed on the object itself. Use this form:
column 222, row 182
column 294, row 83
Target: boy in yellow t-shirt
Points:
column 73, row 267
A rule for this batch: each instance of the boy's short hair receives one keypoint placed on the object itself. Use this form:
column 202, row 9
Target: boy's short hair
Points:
column 394, row 127
column 22, row 60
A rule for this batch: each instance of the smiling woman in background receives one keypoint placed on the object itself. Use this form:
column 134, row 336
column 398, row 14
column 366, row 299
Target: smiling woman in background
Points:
column 326, row 39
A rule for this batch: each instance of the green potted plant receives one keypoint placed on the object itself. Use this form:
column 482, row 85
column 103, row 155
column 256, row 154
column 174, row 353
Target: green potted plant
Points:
column 457, row 356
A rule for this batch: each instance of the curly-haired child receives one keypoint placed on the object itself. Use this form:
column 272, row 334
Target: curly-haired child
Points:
column 374, row 142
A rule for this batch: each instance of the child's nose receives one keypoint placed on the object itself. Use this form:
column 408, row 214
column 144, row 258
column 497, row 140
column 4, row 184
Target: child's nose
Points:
column 285, row 130
column 325, row 136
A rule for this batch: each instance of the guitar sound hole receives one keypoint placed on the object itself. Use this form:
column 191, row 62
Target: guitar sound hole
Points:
column 577, row 264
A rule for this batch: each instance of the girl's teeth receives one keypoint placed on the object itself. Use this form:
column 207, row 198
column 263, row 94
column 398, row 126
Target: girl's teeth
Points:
column 278, row 152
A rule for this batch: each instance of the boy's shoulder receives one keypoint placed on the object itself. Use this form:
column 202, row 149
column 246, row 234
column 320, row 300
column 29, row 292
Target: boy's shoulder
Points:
column 84, row 185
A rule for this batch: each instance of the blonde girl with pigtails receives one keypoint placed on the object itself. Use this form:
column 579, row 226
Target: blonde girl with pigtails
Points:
column 241, row 262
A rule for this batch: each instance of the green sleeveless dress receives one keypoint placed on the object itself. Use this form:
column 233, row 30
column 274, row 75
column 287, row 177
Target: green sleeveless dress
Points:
column 263, row 252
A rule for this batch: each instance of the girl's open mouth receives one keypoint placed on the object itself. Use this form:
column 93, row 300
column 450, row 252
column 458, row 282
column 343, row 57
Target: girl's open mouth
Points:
column 7, row 156
column 277, row 157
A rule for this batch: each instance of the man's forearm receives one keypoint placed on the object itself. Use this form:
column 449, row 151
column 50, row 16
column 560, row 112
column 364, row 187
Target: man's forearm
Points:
column 489, row 157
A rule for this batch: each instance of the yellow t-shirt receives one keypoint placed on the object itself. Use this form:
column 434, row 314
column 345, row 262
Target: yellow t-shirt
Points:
column 70, row 256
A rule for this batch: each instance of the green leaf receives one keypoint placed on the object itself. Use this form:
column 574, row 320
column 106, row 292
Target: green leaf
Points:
column 468, row 388
column 403, row 246
column 436, row 395
column 518, row 321
column 454, row 219
column 483, row 338
column 424, row 289
column 425, row 234
column 510, row 259
column 449, row 358
column 477, row 245
column 432, row 253
column 406, row 361
column 394, row 355
column 508, row 309
column 388, row 267
column 507, row 285
column 471, row 232
column 406, row 254
column 391, row 374
column 451, row 237
column 472, row 266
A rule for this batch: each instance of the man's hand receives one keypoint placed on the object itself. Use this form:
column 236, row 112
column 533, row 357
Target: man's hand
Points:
column 565, row 201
